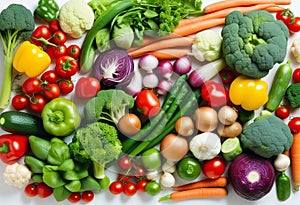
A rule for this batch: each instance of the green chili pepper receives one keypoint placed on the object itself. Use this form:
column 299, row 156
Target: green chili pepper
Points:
column 283, row 187
column 60, row 117
column 46, row 10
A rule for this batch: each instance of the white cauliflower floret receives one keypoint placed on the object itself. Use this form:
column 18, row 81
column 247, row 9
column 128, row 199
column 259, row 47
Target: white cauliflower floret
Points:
column 296, row 49
column 17, row 175
column 76, row 17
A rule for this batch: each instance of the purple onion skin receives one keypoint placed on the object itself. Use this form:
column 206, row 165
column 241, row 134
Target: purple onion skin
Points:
column 121, row 75
column 195, row 79
column 241, row 167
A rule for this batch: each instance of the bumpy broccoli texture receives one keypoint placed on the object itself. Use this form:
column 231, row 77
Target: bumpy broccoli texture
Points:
column 97, row 143
column 293, row 95
column 254, row 42
column 267, row 136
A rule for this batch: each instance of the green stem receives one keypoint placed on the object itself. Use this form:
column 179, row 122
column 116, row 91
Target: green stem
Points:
column 165, row 198
column 7, row 81
column 4, row 148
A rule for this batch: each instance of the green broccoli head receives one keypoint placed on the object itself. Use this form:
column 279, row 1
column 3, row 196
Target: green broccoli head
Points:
column 109, row 105
column 97, row 142
column 254, row 42
column 293, row 95
column 268, row 136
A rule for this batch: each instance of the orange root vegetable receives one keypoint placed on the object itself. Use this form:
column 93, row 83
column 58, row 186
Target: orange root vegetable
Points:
column 197, row 193
column 295, row 161
column 219, row 182
column 170, row 53
column 220, row 5
column 274, row 8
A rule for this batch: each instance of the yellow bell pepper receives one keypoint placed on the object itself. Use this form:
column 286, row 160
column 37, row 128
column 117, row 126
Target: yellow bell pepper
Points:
column 31, row 59
column 250, row 93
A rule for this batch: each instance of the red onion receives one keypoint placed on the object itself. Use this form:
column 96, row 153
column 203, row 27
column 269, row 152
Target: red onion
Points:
column 165, row 68
column 182, row 65
column 148, row 62
column 164, row 86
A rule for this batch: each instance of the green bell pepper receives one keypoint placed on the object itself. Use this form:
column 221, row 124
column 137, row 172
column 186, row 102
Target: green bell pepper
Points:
column 60, row 117
column 46, row 10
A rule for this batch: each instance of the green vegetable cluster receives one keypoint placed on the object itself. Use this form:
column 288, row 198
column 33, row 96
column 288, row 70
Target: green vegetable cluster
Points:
column 254, row 42
column 293, row 95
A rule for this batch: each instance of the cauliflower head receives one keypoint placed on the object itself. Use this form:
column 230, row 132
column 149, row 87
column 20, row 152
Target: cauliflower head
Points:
column 296, row 49
column 76, row 17
column 17, row 175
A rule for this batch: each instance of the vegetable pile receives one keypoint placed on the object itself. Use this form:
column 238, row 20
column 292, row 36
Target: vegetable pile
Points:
column 155, row 100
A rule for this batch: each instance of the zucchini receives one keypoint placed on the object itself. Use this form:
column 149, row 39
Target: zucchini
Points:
column 22, row 123
column 279, row 86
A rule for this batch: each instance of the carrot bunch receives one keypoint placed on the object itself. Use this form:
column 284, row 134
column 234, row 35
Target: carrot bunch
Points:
column 205, row 188
column 213, row 15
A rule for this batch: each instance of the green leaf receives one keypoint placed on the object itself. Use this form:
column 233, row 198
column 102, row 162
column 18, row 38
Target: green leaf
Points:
column 150, row 13
column 61, row 193
column 53, row 179
column 58, row 153
column 67, row 165
column 73, row 186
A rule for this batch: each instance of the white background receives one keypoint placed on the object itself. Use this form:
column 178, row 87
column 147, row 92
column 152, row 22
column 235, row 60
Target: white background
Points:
column 15, row 196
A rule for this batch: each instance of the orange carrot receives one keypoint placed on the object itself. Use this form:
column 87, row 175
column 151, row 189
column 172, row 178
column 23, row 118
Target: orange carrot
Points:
column 170, row 53
column 274, row 8
column 196, row 194
column 162, row 44
column 295, row 161
column 219, row 182
column 220, row 5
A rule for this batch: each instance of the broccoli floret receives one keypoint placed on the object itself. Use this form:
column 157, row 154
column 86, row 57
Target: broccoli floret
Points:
column 16, row 25
column 96, row 142
column 109, row 105
column 293, row 95
column 267, row 136
column 254, row 42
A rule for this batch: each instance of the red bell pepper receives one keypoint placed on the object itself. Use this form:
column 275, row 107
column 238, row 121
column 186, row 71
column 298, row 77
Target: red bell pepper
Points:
column 12, row 147
column 214, row 93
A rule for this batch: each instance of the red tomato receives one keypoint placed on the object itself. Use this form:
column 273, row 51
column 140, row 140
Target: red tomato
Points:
column 50, row 76
column 74, row 197
column 87, row 196
column 123, row 177
column 54, row 26
column 214, row 168
column 296, row 75
column 66, row 86
column 59, row 51
column 31, row 190
column 40, row 32
column 37, row 103
column 32, row 85
column 130, row 189
column 294, row 25
column 294, row 124
column 227, row 76
column 285, row 16
column 44, row 190
column 51, row 91
column 148, row 103
column 138, row 171
column 282, row 112
column 125, row 163
column 141, row 184
column 116, row 187
column 20, row 102
column 66, row 66
column 87, row 87
column 59, row 38
column 73, row 51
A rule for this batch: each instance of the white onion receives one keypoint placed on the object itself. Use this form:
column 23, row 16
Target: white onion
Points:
column 148, row 62
column 164, row 86
column 150, row 80
column 165, row 68
column 182, row 65
column 136, row 85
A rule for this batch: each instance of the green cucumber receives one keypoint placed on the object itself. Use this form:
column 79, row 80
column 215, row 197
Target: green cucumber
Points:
column 22, row 123
column 279, row 86
column 231, row 148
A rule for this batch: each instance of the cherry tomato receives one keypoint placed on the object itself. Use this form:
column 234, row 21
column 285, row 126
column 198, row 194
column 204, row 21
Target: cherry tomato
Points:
column 40, row 32
column 294, row 124
column 66, row 86
column 282, row 112
column 87, row 196
column 20, row 102
column 31, row 190
column 116, row 187
column 66, row 66
column 73, row 51
column 148, row 103
column 59, row 37
column 37, row 103
column 130, row 189
column 32, row 85
column 138, row 171
column 123, row 177
column 44, row 190
column 59, row 51
column 153, row 188
column 87, row 87
column 51, row 91
column 49, row 76
column 74, row 197
column 227, row 76
column 285, row 16
column 296, row 75
column 125, row 163
column 54, row 26
column 50, row 50
column 294, row 25
column 141, row 185
column 214, row 168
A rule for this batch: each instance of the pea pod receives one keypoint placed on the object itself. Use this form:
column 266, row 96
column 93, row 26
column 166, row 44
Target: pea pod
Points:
column 283, row 187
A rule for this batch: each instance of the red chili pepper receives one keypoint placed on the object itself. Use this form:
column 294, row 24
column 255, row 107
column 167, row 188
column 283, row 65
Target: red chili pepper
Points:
column 214, row 93
column 12, row 147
